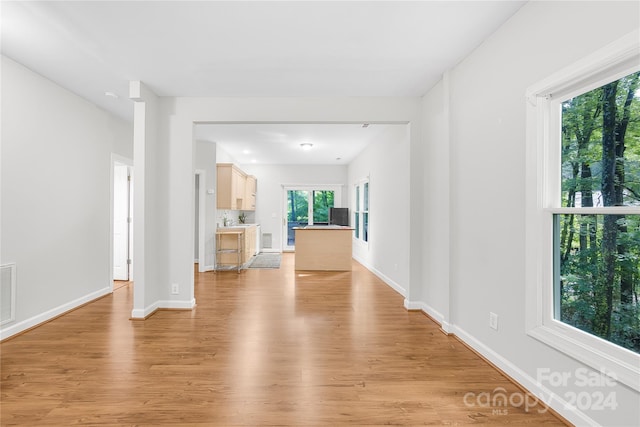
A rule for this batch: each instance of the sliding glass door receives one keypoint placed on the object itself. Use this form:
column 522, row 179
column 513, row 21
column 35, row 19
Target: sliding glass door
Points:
column 297, row 215
column 307, row 206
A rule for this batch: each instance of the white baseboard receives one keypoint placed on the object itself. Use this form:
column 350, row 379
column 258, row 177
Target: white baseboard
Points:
column 10, row 330
column 555, row 402
column 430, row 311
column 141, row 314
column 542, row 393
column 178, row 305
column 387, row 280
column 392, row 284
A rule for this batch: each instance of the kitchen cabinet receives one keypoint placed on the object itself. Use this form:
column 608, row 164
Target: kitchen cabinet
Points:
column 236, row 190
column 235, row 246
column 250, row 242
column 250, row 193
column 327, row 247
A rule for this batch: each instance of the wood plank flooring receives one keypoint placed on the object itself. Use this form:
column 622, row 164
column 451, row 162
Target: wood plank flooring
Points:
column 263, row 347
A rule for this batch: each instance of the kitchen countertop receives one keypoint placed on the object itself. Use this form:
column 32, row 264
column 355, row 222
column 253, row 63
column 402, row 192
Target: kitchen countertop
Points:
column 324, row 227
column 236, row 227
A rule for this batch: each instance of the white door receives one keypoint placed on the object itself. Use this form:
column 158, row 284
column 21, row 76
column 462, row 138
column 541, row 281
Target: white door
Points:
column 121, row 221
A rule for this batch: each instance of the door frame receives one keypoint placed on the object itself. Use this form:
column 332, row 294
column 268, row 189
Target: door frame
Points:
column 202, row 180
column 122, row 161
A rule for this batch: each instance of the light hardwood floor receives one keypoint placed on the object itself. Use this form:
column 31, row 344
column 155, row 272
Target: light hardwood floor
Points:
column 264, row 347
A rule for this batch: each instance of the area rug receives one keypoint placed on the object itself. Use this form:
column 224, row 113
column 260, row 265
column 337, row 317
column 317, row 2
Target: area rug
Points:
column 266, row 260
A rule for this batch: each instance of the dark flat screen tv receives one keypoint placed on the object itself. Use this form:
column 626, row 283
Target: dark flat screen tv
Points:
column 339, row 216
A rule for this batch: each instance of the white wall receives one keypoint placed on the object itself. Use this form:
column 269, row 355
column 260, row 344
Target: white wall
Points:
column 435, row 257
column 205, row 160
column 270, row 199
column 386, row 163
column 223, row 156
column 56, row 180
column 487, row 176
column 150, row 205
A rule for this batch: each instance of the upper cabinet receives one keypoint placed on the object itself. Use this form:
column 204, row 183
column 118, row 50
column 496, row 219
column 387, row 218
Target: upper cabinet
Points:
column 236, row 190
column 250, row 193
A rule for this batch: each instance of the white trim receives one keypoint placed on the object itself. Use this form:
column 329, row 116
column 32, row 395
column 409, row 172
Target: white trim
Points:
column 137, row 313
column 612, row 210
column 53, row 313
column 202, row 184
column 387, row 280
column 613, row 61
column 359, row 231
column 430, row 311
column 12, row 286
column 159, row 305
column 542, row 189
column 532, row 385
column 116, row 158
column 182, row 305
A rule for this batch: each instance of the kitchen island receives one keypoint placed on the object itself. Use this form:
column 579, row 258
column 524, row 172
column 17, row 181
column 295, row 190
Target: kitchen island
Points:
column 323, row 247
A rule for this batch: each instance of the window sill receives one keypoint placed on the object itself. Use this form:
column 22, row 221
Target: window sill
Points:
column 620, row 364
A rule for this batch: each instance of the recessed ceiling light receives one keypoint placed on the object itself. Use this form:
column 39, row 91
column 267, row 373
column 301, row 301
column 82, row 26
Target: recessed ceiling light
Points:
column 111, row 95
column 365, row 125
column 246, row 151
column 254, row 161
column 306, row 146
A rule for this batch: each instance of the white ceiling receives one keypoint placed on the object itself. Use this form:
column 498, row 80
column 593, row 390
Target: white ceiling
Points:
column 279, row 143
column 247, row 49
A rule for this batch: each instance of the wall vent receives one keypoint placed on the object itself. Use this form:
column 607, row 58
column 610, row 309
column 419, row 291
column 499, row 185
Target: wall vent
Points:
column 7, row 293
column 267, row 240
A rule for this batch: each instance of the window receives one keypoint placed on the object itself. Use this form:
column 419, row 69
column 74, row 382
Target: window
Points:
column 361, row 211
column 583, row 206
column 597, row 256
column 307, row 205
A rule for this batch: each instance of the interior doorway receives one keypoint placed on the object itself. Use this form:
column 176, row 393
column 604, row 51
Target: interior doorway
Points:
column 122, row 222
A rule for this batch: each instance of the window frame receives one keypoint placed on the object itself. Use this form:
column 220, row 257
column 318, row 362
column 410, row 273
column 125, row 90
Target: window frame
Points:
column 310, row 188
column 543, row 202
column 360, row 210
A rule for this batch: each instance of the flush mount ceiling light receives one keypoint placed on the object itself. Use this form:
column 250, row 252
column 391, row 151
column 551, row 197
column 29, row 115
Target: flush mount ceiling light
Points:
column 111, row 95
column 306, row 146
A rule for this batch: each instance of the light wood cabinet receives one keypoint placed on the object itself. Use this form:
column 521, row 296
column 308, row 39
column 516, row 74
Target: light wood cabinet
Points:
column 236, row 190
column 249, row 243
column 323, row 248
column 235, row 246
column 250, row 193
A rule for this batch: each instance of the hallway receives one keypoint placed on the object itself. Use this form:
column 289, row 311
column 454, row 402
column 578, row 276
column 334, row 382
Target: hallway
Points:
column 263, row 347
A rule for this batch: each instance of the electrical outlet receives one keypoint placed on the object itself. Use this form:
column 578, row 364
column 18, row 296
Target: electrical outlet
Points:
column 493, row 321
column 175, row 289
